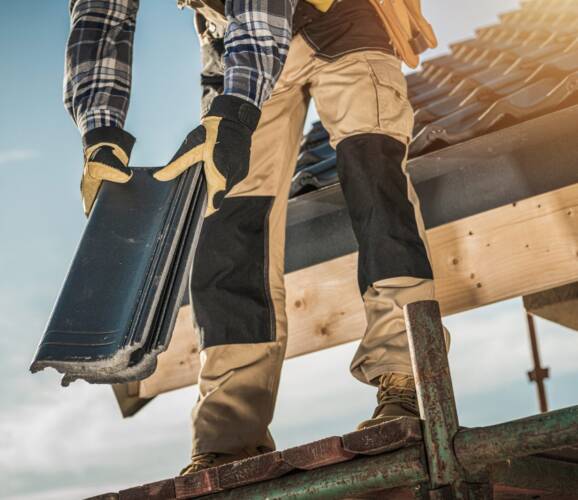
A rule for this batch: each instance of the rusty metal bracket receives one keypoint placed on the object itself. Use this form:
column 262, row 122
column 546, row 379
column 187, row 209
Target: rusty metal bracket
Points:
column 437, row 406
column 426, row 459
column 539, row 373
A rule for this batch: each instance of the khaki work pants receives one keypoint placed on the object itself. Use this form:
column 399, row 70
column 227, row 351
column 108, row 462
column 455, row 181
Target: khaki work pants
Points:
column 238, row 273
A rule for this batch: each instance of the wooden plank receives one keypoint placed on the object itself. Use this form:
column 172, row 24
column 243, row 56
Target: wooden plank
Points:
column 179, row 365
column 559, row 305
column 510, row 251
column 128, row 398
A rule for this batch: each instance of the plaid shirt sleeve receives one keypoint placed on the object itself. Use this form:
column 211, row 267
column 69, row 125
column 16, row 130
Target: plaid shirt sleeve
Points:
column 98, row 62
column 256, row 45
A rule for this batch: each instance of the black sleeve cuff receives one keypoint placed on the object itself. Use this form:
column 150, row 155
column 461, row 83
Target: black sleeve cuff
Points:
column 236, row 109
column 114, row 135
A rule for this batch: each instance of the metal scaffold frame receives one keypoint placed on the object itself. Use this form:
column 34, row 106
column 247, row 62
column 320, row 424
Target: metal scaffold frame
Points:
column 450, row 463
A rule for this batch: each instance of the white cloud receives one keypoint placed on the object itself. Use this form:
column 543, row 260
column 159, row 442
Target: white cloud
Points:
column 54, row 426
column 75, row 436
column 491, row 348
column 16, row 155
column 65, row 493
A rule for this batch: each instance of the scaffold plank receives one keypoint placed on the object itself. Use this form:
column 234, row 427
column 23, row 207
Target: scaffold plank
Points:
column 321, row 453
column 161, row 490
column 194, row 485
column 385, row 437
column 252, row 470
column 403, row 468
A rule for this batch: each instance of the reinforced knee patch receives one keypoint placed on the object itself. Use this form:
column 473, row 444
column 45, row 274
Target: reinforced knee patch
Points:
column 229, row 282
column 375, row 186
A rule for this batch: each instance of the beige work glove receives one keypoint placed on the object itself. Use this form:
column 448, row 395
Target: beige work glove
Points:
column 106, row 155
column 222, row 143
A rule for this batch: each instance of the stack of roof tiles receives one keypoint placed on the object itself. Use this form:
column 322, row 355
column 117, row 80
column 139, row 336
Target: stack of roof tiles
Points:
column 521, row 68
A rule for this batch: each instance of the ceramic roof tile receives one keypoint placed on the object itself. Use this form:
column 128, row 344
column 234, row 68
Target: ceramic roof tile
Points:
column 520, row 68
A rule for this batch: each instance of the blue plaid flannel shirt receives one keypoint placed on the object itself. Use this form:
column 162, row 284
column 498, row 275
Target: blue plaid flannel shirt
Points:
column 99, row 55
column 256, row 45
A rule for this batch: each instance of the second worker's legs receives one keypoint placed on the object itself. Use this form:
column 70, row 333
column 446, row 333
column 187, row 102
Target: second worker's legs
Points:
column 362, row 101
column 393, row 267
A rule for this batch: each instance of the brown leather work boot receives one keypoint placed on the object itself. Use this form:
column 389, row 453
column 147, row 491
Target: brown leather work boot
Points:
column 396, row 397
column 204, row 461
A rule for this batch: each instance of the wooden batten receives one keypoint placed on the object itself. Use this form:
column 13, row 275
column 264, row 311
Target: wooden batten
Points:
column 128, row 398
column 510, row 251
column 559, row 305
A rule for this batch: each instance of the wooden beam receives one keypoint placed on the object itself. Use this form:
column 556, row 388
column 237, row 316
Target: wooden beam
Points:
column 179, row 365
column 559, row 305
column 128, row 398
column 510, row 251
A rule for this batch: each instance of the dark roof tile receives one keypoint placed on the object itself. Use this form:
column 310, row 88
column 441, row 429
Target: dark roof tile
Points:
column 385, row 437
column 321, row 453
column 161, row 490
column 198, row 484
column 523, row 67
column 253, row 470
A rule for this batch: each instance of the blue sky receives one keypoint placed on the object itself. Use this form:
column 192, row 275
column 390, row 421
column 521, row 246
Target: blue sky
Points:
column 58, row 443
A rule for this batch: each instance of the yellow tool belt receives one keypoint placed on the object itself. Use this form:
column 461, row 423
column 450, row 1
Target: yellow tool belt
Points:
column 322, row 5
column 408, row 29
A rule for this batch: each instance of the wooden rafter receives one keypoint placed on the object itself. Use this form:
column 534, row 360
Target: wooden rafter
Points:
column 510, row 251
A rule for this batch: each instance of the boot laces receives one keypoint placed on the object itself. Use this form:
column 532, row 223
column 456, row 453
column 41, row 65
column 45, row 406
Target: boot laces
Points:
column 396, row 389
column 204, row 460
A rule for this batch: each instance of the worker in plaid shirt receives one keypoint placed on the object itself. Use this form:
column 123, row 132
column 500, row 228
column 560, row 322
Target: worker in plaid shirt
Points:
column 98, row 76
column 263, row 62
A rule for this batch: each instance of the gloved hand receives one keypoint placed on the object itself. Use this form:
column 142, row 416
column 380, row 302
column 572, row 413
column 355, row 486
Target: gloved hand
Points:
column 223, row 143
column 106, row 156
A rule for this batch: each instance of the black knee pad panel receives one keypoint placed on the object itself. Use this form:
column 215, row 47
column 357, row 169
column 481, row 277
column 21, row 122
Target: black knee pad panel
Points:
column 383, row 219
column 229, row 281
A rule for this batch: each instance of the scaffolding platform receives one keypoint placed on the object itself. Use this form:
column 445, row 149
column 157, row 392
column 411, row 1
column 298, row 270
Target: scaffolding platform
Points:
column 406, row 458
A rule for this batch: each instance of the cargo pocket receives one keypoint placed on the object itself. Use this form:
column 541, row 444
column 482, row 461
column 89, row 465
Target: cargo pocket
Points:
column 394, row 108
